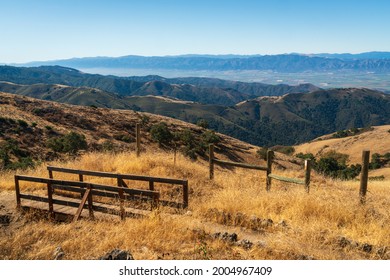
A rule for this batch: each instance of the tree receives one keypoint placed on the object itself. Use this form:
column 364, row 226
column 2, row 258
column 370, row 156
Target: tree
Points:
column 202, row 123
column 69, row 143
column 161, row 133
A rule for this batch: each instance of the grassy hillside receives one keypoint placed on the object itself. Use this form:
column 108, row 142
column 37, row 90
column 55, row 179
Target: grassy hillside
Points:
column 28, row 124
column 201, row 90
column 285, row 223
column 377, row 140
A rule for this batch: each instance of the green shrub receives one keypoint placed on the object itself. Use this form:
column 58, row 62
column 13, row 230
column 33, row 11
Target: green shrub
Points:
column 209, row 137
column 123, row 137
column 160, row 133
column 108, row 146
column 202, row 123
column 145, row 120
column 22, row 123
column 287, row 150
column 262, row 153
column 70, row 143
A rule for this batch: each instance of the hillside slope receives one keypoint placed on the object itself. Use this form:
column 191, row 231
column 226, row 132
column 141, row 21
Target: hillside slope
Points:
column 208, row 92
column 29, row 123
column 266, row 121
column 376, row 140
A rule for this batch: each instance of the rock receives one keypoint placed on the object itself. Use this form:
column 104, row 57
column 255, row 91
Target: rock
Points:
column 343, row 241
column 58, row 253
column 366, row 247
column 282, row 223
column 5, row 220
column 225, row 236
column 188, row 213
column 229, row 237
column 117, row 254
column 246, row 244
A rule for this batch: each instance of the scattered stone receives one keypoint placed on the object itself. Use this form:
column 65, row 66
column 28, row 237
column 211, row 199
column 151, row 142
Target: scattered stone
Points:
column 282, row 223
column 225, row 236
column 343, row 241
column 58, row 253
column 5, row 220
column 366, row 247
column 188, row 213
column 246, row 244
column 117, row 254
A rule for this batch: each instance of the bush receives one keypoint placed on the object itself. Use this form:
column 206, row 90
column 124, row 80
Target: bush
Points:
column 306, row 156
column 107, row 146
column 209, row 137
column 287, row 150
column 145, row 120
column 262, row 153
column 202, row 123
column 160, row 133
column 123, row 137
column 69, row 143
column 22, row 123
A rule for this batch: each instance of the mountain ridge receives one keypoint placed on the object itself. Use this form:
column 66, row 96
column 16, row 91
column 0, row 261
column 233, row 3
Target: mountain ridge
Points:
column 371, row 61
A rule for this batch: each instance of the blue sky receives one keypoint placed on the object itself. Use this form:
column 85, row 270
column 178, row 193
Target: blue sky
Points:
column 46, row 30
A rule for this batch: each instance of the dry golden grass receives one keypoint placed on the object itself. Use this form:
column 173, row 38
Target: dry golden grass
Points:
column 316, row 225
column 376, row 140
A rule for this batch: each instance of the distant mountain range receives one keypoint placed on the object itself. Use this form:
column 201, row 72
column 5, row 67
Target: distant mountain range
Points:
column 203, row 90
column 290, row 63
column 293, row 115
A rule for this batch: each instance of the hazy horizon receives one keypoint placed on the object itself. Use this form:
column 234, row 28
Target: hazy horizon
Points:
column 45, row 30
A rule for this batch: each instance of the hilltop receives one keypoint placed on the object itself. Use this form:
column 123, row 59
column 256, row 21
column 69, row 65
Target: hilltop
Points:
column 203, row 90
column 28, row 124
column 289, row 119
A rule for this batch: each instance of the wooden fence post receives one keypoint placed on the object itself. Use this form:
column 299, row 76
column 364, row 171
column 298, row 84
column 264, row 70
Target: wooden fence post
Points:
column 138, row 138
column 307, row 175
column 211, row 161
column 270, row 157
column 17, row 190
column 185, row 195
column 50, row 200
column 364, row 176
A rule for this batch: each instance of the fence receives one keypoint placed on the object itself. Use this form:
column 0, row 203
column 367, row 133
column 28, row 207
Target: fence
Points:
column 268, row 169
column 88, row 191
column 121, row 183
column 305, row 182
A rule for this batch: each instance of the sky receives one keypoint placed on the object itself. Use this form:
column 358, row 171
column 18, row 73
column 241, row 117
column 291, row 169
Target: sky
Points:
column 42, row 30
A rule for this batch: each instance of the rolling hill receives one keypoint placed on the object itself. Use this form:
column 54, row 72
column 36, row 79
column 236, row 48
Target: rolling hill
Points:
column 27, row 124
column 265, row 121
column 205, row 91
column 376, row 139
